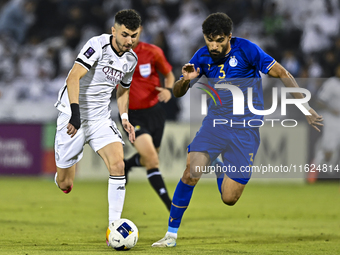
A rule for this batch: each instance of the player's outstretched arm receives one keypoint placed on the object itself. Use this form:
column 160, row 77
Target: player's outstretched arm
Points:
column 72, row 81
column 181, row 86
column 123, row 103
column 278, row 71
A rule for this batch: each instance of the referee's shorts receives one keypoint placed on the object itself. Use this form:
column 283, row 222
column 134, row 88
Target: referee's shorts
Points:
column 149, row 121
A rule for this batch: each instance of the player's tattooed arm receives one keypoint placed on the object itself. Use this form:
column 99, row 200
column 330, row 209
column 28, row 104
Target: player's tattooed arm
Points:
column 189, row 73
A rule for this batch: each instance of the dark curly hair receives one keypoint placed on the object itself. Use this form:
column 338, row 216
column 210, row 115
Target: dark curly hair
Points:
column 129, row 18
column 217, row 23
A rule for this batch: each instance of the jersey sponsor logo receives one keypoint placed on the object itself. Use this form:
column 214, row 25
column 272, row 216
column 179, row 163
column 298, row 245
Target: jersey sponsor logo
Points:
column 112, row 74
column 89, row 52
column 145, row 70
column 233, row 61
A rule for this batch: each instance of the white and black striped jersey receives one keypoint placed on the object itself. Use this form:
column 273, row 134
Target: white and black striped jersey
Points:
column 105, row 70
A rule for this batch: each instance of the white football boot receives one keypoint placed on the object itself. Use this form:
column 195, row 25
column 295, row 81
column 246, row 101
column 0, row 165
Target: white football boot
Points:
column 166, row 241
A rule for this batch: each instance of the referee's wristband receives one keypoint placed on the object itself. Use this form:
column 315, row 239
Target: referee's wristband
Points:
column 124, row 116
column 170, row 89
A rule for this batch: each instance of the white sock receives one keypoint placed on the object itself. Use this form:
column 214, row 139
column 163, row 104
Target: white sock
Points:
column 55, row 179
column 174, row 235
column 116, row 196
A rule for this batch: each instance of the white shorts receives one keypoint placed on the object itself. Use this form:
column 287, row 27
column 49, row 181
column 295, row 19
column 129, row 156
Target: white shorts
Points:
column 97, row 133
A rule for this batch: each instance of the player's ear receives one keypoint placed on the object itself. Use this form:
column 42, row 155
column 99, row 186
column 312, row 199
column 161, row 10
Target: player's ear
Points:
column 113, row 30
column 229, row 37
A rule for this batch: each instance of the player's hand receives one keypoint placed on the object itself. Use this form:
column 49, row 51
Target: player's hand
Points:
column 164, row 95
column 130, row 129
column 189, row 72
column 71, row 130
column 315, row 119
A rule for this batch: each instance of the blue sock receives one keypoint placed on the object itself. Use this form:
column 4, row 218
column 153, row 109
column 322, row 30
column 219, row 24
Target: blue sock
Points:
column 219, row 172
column 219, row 183
column 180, row 202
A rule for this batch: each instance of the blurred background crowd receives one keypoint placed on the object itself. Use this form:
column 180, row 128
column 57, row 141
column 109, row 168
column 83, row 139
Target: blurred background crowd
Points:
column 40, row 39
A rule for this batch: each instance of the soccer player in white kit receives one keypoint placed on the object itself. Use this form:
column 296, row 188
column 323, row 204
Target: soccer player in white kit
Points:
column 329, row 96
column 83, row 102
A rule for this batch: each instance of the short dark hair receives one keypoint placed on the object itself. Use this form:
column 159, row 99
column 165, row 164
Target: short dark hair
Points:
column 129, row 18
column 217, row 23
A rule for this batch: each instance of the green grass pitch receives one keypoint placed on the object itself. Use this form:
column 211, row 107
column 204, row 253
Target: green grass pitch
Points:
column 37, row 218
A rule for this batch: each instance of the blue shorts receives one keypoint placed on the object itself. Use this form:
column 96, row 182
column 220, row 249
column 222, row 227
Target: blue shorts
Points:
column 238, row 147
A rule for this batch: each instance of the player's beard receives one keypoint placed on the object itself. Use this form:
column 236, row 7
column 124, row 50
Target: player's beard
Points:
column 216, row 55
column 121, row 47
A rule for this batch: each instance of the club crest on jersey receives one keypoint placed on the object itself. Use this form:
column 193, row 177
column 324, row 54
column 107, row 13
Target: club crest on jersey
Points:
column 89, row 52
column 145, row 70
column 233, row 61
column 125, row 67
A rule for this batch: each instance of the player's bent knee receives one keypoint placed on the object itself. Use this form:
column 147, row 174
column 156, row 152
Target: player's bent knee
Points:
column 65, row 184
column 151, row 162
column 189, row 179
column 117, row 168
column 229, row 201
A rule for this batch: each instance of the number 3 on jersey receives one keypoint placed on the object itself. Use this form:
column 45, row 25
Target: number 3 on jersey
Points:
column 222, row 76
column 252, row 162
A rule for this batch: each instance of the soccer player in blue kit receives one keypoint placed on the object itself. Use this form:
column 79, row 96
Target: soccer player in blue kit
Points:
column 225, row 58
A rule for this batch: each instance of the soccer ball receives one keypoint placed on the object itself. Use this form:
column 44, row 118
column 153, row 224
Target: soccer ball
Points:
column 122, row 234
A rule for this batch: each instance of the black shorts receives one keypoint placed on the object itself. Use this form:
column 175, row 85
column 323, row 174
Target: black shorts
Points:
column 149, row 121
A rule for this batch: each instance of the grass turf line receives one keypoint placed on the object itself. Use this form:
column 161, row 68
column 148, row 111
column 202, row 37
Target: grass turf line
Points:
column 37, row 218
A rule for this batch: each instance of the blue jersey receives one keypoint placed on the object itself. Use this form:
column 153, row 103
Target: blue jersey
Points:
column 240, row 67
